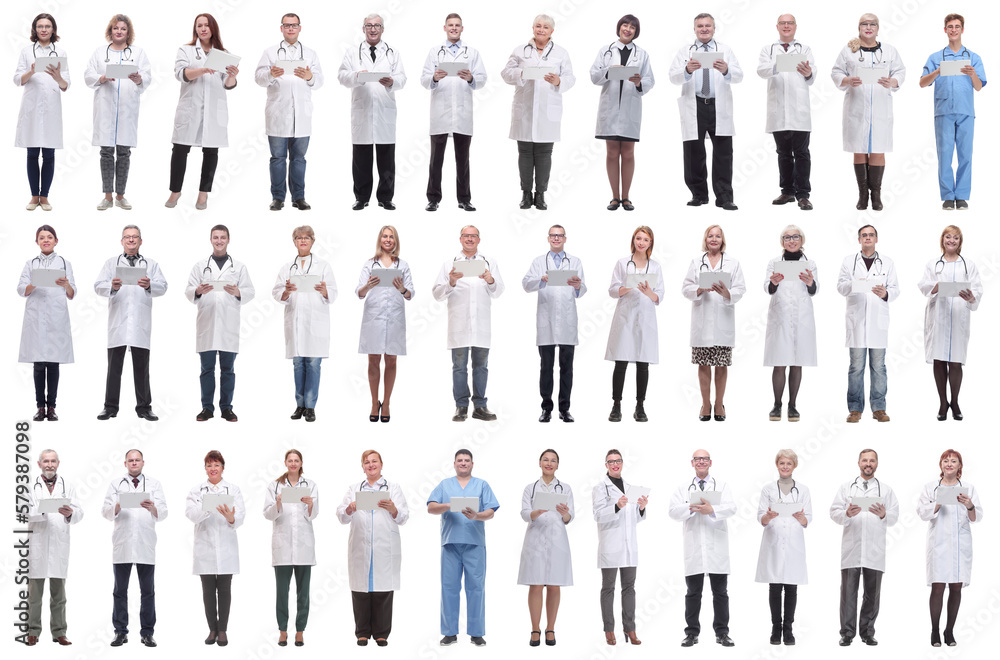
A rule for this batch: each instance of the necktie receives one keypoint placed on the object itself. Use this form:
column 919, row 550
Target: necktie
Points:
column 866, row 486
column 785, row 46
column 372, row 49
column 701, row 484
column 135, row 482
column 131, row 259
column 557, row 260
column 705, row 89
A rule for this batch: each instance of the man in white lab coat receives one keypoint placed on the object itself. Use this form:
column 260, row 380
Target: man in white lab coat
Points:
column 706, row 546
column 469, row 300
column 49, row 557
column 289, row 109
column 788, row 116
column 451, row 109
column 130, row 322
column 134, row 542
column 219, row 286
column 556, row 320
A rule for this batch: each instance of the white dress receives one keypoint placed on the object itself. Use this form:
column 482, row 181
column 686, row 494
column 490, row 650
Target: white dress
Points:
column 45, row 332
column 782, row 558
column 790, row 340
column 947, row 320
column 949, row 536
column 545, row 554
column 383, row 324
column 634, row 336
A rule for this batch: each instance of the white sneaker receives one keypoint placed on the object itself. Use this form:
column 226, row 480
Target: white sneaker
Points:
column 104, row 205
column 31, row 206
column 123, row 204
column 45, row 206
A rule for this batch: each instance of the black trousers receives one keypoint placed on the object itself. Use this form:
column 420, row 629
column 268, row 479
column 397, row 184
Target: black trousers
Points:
column 372, row 614
column 217, row 594
column 361, row 168
column 147, row 603
column 720, row 603
column 438, row 145
column 534, row 165
column 178, row 165
column 695, row 163
column 793, row 162
column 48, row 372
column 140, row 373
column 545, row 378
column 618, row 380
column 849, row 582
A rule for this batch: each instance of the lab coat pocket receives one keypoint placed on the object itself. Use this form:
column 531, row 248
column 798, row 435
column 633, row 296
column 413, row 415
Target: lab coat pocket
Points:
column 553, row 108
column 883, row 315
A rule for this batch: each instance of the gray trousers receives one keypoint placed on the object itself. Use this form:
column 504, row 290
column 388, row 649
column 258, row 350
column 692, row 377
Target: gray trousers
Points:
column 114, row 175
column 534, row 160
column 57, row 606
column 849, row 581
column 608, row 576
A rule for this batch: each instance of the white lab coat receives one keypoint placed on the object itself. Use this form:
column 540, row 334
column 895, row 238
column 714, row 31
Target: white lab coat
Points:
column 468, row 303
column 713, row 318
column 373, row 105
column 868, row 108
column 383, row 322
column 949, row 536
column 634, row 336
column 202, row 116
column 134, row 538
column 130, row 308
column 49, row 557
column 863, row 544
column 307, row 313
column 293, row 542
column 556, row 318
column 289, row 107
column 116, row 102
column 619, row 112
column 782, row 557
column 617, row 542
column 787, row 93
column 216, row 549
column 217, row 327
column 39, row 121
column 46, row 335
column 867, row 315
column 451, row 97
column 947, row 321
column 691, row 83
column 374, row 540
column 706, row 537
column 536, row 112
column 545, row 553
column 790, row 339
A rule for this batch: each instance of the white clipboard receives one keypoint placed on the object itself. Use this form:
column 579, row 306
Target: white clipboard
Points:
column 549, row 501
column 130, row 500
column 367, row 500
column 536, row 72
column 46, row 276
column 632, row 280
column 949, row 496
column 871, row 75
column 211, row 502
column 289, row 66
column 305, row 283
column 218, row 60
column 792, row 269
column 787, row 62
column 951, row 289
column 294, row 495
column 708, row 278
column 458, row 504
column 560, row 277
column 386, row 275
column 635, row 492
column 219, row 285
column 706, row 58
column 473, row 268
column 949, row 67
column 622, row 72
column 52, row 504
column 786, row 509
column 866, row 502
column 119, row 71
column 41, row 63
column 130, row 274
column 452, row 68
column 713, row 497
column 865, row 285
column 371, row 76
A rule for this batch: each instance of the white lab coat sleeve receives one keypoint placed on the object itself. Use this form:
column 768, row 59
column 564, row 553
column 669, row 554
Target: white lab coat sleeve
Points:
column 646, row 79
column 571, row 504
column 110, row 500
column 679, row 508
column 926, row 504
column 346, row 74
column 366, row 273
column 245, row 285
column 566, row 77
column 240, row 509
column 838, row 509
column 764, row 505
column 532, row 279
column 513, row 72
column 735, row 73
column 279, row 288
column 408, row 281
column 604, row 510
column 313, row 493
column 442, row 289
column 157, row 283
column 145, row 71
column 478, row 70
column 599, row 69
column 678, row 74
column 427, row 73
column 974, row 496
column 317, row 72
column 271, row 510
column 891, row 283
column 526, row 504
column 737, row 286
column 194, row 281
column 841, row 70
column 897, row 70
column 617, row 279
column 807, row 507
column 767, row 66
column 398, row 75
column 23, row 64
column 160, row 501
column 975, row 283
column 891, row 508
column 262, row 74
column 583, row 280
column 812, row 65
column 660, row 291
column 74, row 504
column 494, row 290
column 102, row 286
column 192, row 506
column 844, row 277
column 92, row 74
column 689, row 288
column 181, row 63
column 727, row 507
column 331, row 285
column 342, row 515
column 33, row 515
column 25, row 279
column 399, row 499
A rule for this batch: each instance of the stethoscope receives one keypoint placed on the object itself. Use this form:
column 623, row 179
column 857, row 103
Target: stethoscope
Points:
column 558, row 488
column 488, row 267
column 301, row 483
column 40, row 265
column 206, row 489
column 388, row 51
column 705, row 265
column 548, row 255
column 126, row 55
column 876, row 53
column 878, row 487
column 51, row 48
column 796, row 47
column 959, row 485
column 127, row 481
column 40, row 481
column 877, row 262
column 382, row 485
column 608, row 55
column 947, row 52
column 631, row 260
column 940, row 262
column 281, row 49
column 695, row 487
column 791, row 493
column 207, row 270
column 295, row 265
column 377, row 263
column 698, row 44
column 442, row 52
column 139, row 260
column 529, row 47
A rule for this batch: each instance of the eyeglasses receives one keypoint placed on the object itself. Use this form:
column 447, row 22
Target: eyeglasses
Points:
column 304, row 238
column 868, row 25
column 470, row 235
column 786, row 22
column 702, row 459
column 868, row 235
column 130, row 237
column 291, row 26
column 557, row 235
column 616, row 461
column 791, row 237
column 373, row 26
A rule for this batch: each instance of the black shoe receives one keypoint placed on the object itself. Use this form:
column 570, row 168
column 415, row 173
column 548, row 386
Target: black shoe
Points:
column 550, row 642
column 478, row 641
column 374, row 418
column 614, row 204
column 382, row 642
column 845, row 640
column 705, row 418
column 50, row 414
column 448, row 640
column 697, row 202
column 935, row 638
column 540, row 201
column 722, row 417
column 640, row 414
column 956, row 413
column 298, row 412
column 948, row 205
column 229, row 415
column 39, row 416
column 299, row 642
column 949, row 638
column 107, row 413
column 276, row 205
column 546, row 416
column 566, row 417
column 724, row 640
column 388, row 206
column 431, row 206
column 690, row 640
column 961, row 205
column 461, row 413
column 805, row 204
column 616, row 413
column 358, row 205
column 870, row 641
column 787, row 637
column 535, row 642
column 627, row 204
column 301, row 204
column 775, row 634
column 148, row 416
column 212, row 637
column 526, row 199
column 363, row 641
column 727, row 206
column 466, row 206
column 775, row 414
column 122, row 638
column 783, row 199
column 309, row 414
column 485, row 415
column 147, row 640
column 222, row 639
column 205, row 414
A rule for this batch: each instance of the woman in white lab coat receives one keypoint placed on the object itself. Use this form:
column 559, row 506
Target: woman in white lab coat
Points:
column 116, row 106
column 383, row 326
column 546, row 564
column 633, row 336
column 202, row 115
column 307, row 318
column 374, row 553
column 39, row 122
column 713, row 319
column 46, row 337
column 216, row 549
column 536, row 112
column 868, row 107
column 790, row 340
column 949, row 541
column 782, row 559
column 293, row 544
column 619, row 112
column 947, row 320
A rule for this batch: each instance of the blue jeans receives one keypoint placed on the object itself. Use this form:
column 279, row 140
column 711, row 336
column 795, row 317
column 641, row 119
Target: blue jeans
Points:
column 306, row 380
column 227, row 379
column 283, row 149
column 856, row 379
column 460, row 375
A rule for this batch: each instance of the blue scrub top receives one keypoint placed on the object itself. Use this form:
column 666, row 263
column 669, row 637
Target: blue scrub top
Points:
column 456, row 528
column 953, row 94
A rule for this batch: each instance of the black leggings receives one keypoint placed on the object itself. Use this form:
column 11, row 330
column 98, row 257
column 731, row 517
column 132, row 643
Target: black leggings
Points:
column 618, row 380
column 774, row 600
column 178, row 165
column 46, row 371
column 40, row 180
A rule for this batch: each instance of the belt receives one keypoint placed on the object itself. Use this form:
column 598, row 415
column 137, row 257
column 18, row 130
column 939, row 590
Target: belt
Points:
column 706, row 101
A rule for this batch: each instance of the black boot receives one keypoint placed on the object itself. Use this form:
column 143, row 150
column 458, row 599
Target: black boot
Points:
column 640, row 413
column 774, row 602
column 791, row 598
column 861, row 173
column 616, row 412
column 540, row 201
column 526, row 199
column 875, row 173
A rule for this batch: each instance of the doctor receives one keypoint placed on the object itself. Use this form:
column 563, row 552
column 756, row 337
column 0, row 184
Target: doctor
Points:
column 289, row 109
column 134, row 543
column 130, row 322
column 706, row 547
column 451, row 109
column 374, row 553
column 954, row 115
column 555, row 320
column 116, row 106
column 373, row 112
column 788, row 113
column 782, row 558
column 617, row 514
column 49, row 556
column 862, row 552
column 463, row 549
column 706, row 106
column 216, row 549
column 218, row 323
column 867, row 322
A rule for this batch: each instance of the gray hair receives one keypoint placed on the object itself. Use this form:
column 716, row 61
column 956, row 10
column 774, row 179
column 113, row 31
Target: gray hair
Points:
column 135, row 227
column 370, row 17
column 546, row 19
column 787, row 453
column 47, row 451
column 704, row 15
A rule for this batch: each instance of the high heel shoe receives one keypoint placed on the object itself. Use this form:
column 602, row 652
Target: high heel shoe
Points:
column 935, row 638
column 282, row 638
column 609, row 637
column 702, row 417
column 550, row 642
column 630, row 638
column 374, row 418
column 943, row 412
column 956, row 414
column 949, row 638
column 722, row 417
column 535, row 642
column 383, row 418
column 298, row 639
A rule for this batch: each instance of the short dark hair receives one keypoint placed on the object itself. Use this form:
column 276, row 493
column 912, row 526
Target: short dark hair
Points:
column 612, row 451
column 873, row 229
column 463, row 451
column 452, row 15
column 55, row 28
column 284, row 16
column 867, row 451
column 47, row 228
column 550, row 451
column 947, row 19
column 132, row 450
column 628, row 19
column 219, row 227
column 215, row 455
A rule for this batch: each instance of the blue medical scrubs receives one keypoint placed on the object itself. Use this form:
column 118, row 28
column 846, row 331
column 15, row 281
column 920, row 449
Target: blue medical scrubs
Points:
column 463, row 550
column 954, row 120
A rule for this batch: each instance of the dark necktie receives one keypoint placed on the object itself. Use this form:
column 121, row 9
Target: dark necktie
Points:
column 701, row 484
column 131, row 259
column 372, row 49
column 705, row 85
column 866, row 486
column 135, row 482
column 785, row 47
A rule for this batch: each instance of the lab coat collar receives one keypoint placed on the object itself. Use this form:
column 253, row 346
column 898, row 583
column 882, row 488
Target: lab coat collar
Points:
column 301, row 483
column 550, row 42
column 284, row 44
column 712, row 44
column 378, row 484
column 541, row 483
column 47, row 258
column 608, row 482
column 379, row 47
column 128, row 478
column 457, row 44
column 619, row 45
column 461, row 255
column 791, row 44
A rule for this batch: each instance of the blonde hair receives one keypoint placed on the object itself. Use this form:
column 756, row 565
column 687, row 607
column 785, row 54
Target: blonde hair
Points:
column 649, row 232
column 121, row 18
column 704, row 238
column 378, row 246
column 952, row 229
column 787, row 453
column 368, row 453
column 304, row 229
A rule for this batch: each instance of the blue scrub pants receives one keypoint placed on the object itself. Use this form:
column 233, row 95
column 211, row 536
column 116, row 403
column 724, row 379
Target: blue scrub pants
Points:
column 954, row 132
column 856, row 379
column 456, row 559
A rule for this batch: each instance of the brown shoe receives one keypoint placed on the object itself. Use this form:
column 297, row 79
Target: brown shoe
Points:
column 609, row 637
column 631, row 638
column 880, row 415
column 855, row 417
column 62, row 641
column 31, row 641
